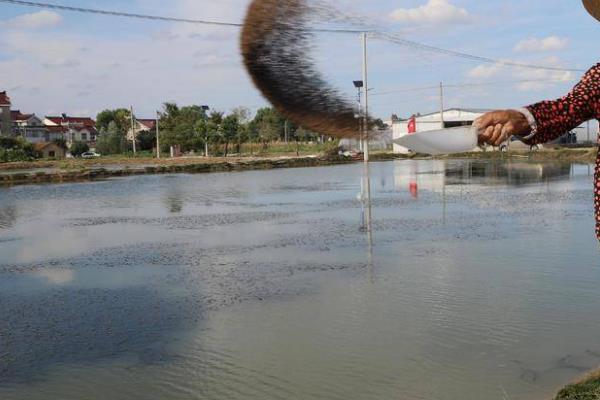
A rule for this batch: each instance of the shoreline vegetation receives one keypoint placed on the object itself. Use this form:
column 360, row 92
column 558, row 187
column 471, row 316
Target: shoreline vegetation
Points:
column 587, row 388
column 78, row 170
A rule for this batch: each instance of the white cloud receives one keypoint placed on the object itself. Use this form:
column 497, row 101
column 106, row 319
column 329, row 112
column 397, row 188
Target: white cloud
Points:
column 37, row 20
column 551, row 43
column 484, row 71
column 434, row 12
column 524, row 79
column 539, row 79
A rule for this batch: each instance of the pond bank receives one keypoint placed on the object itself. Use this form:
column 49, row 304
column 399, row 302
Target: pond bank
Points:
column 586, row 389
column 87, row 170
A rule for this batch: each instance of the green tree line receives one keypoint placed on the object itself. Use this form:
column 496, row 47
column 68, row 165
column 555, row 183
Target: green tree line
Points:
column 195, row 129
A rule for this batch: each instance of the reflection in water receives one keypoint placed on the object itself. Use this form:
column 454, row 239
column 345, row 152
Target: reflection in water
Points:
column 436, row 175
column 366, row 212
column 511, row 173
column 174, row 196
column 8, row 216
column 174, row 203
column 56, row 276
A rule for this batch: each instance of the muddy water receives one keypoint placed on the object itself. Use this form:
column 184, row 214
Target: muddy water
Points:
column 482, row 282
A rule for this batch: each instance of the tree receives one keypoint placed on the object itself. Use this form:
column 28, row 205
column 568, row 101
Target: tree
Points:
column 201, row 135
column 113, row 125
column 267, row 131
column 216, row 117
column 120, row 116
column 16, row 149
column 302, row 135
column 214, row 133
column 112, row 141
column 146, row 140
column 245, row 130
column 269, row 125
column 179, row 126
column 78, row 148
column 242, row 114
column 230, row 129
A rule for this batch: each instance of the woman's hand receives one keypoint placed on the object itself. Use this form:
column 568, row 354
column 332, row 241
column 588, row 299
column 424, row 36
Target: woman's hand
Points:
column 497, row 127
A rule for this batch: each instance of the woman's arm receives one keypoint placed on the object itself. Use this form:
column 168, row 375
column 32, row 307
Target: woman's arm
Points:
column 552, row 118
column 555, row 118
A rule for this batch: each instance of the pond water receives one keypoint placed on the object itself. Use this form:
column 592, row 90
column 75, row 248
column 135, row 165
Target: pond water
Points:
column 479, row 280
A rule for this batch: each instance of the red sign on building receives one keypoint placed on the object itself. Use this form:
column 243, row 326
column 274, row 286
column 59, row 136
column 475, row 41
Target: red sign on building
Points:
column 412, row 125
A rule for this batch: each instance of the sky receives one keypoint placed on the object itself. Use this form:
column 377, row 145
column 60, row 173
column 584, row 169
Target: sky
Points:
column 54, row 62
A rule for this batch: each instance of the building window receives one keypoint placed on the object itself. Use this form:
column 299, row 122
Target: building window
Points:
column 84, row 137
column 51, row 154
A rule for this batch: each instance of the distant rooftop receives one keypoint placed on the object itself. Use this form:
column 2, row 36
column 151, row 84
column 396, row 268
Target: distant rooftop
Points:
column 466, row 110
column 16, row 115
column 148, row 123
column 85, row 121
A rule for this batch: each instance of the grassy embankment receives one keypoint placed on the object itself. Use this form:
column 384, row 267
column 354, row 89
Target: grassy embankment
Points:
column 586, row 389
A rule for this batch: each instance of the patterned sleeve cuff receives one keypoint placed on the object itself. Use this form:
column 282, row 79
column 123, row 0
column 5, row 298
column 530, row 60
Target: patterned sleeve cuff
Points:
column 532, row 123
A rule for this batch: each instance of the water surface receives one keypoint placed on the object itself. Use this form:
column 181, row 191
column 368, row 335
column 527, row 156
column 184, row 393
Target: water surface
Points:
column 480, row 281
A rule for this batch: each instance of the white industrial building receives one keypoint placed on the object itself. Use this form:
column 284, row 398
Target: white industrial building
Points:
column 587, row 132
column 453, row 117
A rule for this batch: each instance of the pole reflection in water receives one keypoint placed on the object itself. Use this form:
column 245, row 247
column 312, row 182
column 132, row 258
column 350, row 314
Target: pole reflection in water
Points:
column 366, row 214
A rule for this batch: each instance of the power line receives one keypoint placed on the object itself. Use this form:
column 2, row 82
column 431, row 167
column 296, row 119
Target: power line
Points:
column 52, row 6
column 394, row 38
column 465, row 85
column 390, row 37
column 117, row 13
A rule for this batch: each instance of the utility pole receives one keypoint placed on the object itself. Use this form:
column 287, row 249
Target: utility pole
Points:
column 157, row 136
column 442, row 104
column 205, row 109
column 206, row 144
column 366, row 173
column 361, row 143
column 133, row 130
column 286, row 131
column 366, row 89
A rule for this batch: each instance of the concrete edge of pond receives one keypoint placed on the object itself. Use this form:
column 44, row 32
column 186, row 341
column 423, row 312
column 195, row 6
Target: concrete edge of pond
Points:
column 194, row 166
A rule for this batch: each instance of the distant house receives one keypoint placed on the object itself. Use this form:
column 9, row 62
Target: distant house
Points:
column 5, row 120
column 50, row 150
column 29, row 127
column 74, row 129
column 142, row 125
column 55, row 133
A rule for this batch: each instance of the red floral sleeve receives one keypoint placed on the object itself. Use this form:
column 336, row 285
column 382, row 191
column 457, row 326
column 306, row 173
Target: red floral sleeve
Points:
column 555, row 118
